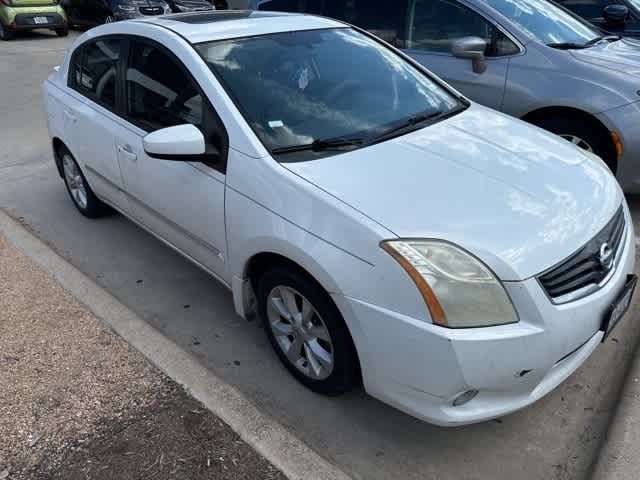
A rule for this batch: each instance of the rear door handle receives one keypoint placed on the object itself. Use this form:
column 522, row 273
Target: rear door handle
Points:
column 127, row 152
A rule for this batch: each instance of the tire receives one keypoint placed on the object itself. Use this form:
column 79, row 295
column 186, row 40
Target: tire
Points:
column 62, row 32
column 6, row 33
column 585, row 133
column 109, row 19
column 78, row 188
column 326, row 326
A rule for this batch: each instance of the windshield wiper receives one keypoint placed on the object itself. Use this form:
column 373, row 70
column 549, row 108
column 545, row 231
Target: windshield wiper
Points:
column 579, row 46
column 611, row 38
column 408, row 123
column 321, row 144
column 567, row 45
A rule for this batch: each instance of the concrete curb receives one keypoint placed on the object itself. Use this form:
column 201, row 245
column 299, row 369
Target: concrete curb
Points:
column 293, row 457
column 619, row 457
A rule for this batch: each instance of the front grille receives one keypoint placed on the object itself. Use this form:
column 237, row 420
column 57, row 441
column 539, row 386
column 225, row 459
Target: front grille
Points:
column 584, row 268
column 151, row 10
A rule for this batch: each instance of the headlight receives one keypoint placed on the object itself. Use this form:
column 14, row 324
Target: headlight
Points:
column 127, row 8
column 459, row 290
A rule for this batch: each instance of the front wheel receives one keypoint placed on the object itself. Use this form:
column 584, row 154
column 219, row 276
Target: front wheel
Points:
column 109, row 19
column 307, row 331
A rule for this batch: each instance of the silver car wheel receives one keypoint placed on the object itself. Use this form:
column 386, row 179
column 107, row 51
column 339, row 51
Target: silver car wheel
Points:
column 109, row 19
column 579, row 142
column 300, row 332
column 75, row 182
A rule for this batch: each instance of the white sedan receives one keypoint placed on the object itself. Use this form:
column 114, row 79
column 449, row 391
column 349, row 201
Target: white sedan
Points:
column 458, row 262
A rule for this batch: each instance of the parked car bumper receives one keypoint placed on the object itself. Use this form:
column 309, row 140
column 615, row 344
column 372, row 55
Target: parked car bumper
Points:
column 625, row 121
column 22, row 18
column 421, row 368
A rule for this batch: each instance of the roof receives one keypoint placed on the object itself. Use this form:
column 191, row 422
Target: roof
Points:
column 225, row 24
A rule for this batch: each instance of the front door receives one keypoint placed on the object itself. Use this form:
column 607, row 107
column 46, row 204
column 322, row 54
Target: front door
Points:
column 432, row 28
column 182, row 202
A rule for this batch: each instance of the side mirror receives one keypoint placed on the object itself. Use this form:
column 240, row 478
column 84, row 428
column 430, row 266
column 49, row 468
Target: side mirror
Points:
column 615, row 13
column 182, row 143
column 472, row 48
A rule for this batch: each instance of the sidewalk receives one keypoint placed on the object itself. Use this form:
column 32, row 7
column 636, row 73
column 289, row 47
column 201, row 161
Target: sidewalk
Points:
column 76, row 401
column 619, row 458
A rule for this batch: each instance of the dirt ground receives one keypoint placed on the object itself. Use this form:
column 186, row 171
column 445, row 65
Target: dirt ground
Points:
column 77, row 402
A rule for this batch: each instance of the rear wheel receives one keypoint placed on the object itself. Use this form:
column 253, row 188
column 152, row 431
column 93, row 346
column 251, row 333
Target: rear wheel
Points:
column 584, row 133
column 62, row 32
column 307, row 331
column 6, row 33
column 79, row 190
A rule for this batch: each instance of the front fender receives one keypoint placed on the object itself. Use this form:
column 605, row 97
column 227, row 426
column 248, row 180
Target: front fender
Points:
column 557, row 79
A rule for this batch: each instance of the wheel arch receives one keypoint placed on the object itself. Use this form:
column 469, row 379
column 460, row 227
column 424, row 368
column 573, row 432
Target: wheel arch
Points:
column 261, row 262
column 57, row 146
column 536, row 116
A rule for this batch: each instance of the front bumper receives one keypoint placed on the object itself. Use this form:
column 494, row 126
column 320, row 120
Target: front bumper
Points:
column 625, row 121
column 421, row 368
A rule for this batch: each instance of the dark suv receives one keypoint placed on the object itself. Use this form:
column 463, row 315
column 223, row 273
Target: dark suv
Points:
column 621, row 17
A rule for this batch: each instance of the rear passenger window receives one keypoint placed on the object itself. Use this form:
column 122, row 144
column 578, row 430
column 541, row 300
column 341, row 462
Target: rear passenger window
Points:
column 94, row 71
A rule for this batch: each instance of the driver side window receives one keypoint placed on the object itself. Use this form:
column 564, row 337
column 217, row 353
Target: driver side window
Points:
column 160, row 93
column 436, row 24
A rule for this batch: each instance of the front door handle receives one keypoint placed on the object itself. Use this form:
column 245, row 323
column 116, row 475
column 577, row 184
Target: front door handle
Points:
column 127, row 152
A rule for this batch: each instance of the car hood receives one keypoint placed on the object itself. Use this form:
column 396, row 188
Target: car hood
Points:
column 622, row 55
column 517, row 197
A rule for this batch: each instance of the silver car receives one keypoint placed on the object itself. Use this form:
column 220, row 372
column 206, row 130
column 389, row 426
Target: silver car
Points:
column 529, row 58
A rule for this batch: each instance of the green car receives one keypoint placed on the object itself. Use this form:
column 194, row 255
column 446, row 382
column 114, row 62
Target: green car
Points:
column 19, row 15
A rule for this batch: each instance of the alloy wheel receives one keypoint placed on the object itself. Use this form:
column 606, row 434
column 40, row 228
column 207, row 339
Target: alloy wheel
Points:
column 577, row 141
column 300, row 332
column 75, row 181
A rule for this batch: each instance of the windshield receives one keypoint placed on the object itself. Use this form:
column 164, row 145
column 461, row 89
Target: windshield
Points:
column 635, row 4
column 546, row 22
column 296, row 88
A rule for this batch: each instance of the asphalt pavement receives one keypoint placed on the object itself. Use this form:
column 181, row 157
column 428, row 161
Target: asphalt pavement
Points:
column 556, row 438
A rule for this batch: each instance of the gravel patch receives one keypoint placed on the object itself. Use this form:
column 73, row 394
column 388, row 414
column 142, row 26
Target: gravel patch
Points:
column 74, row 396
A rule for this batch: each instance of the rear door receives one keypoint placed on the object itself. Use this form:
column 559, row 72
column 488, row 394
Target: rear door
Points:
column 91, row 115
column 434, row 25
